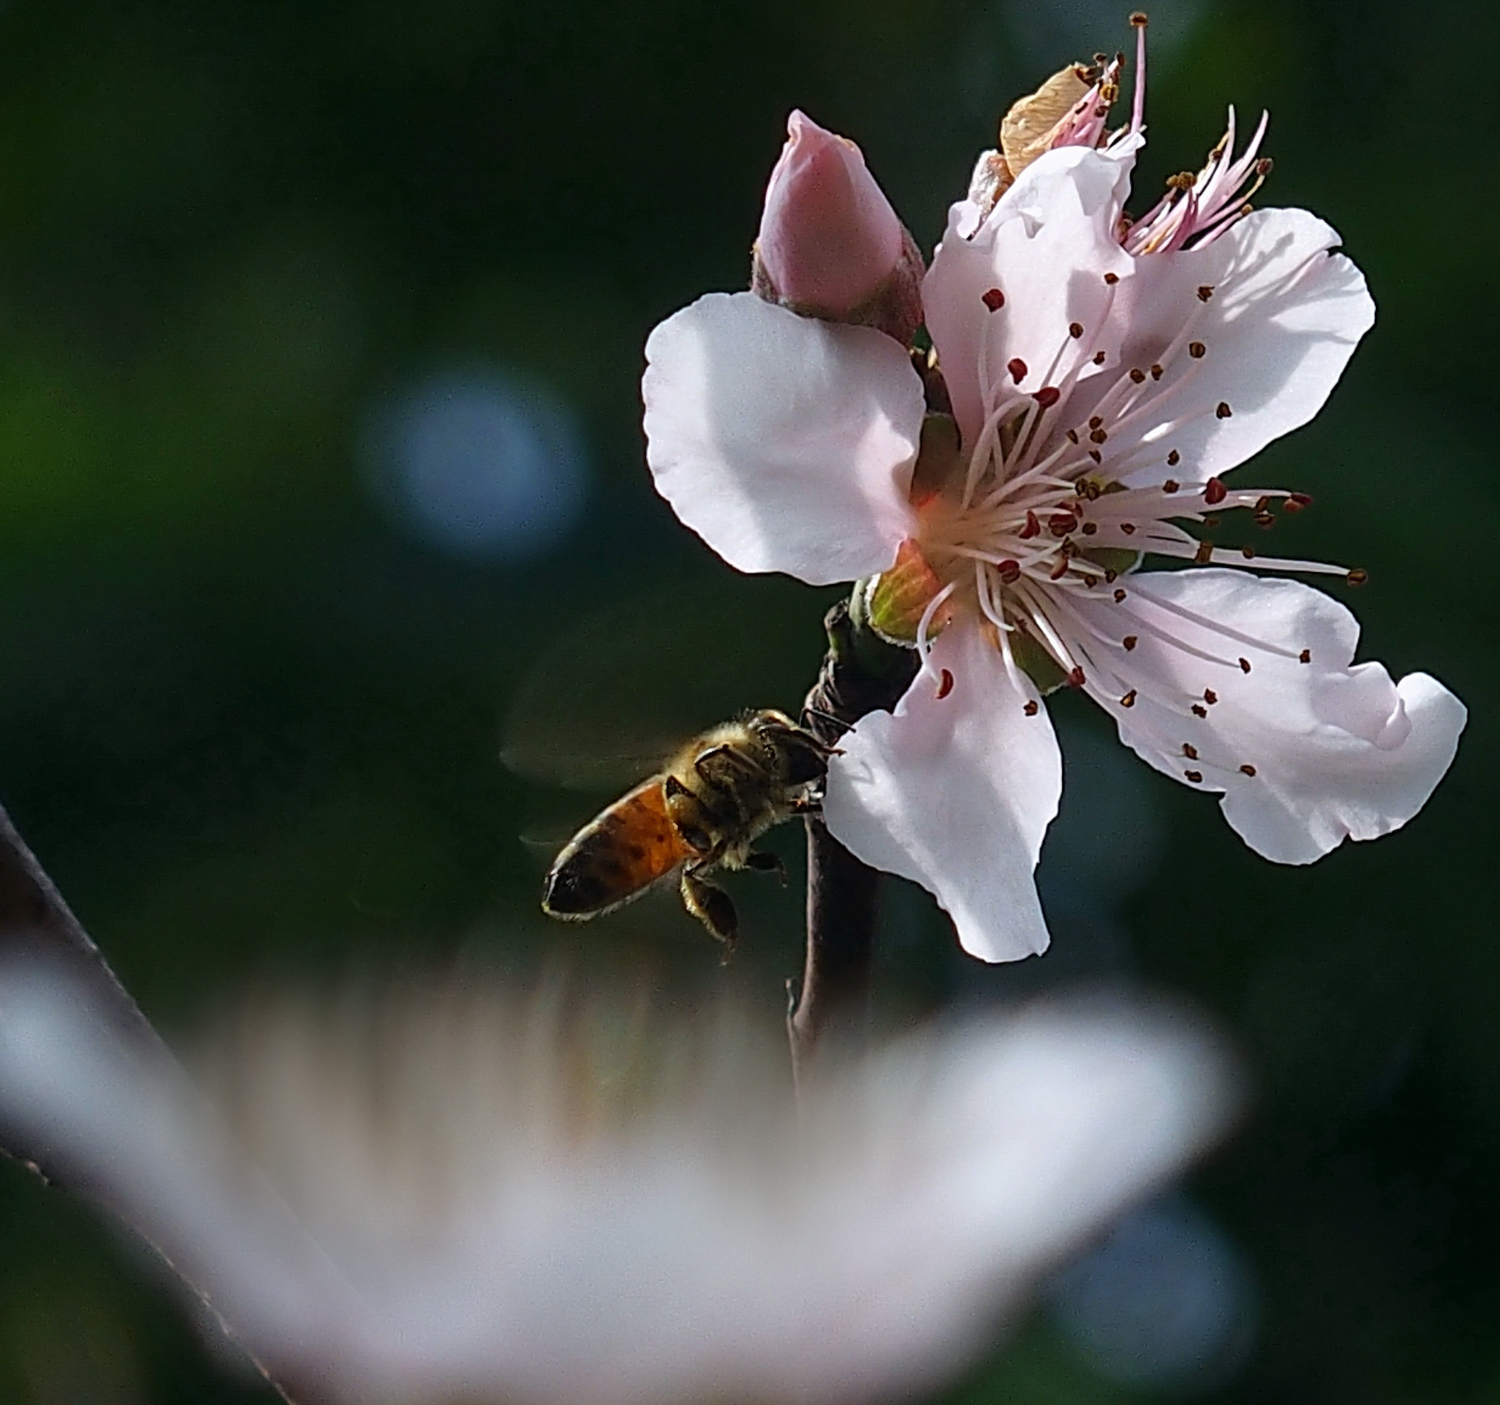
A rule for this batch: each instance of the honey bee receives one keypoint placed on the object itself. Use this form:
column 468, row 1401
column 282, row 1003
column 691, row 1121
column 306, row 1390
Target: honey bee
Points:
column 717, row 796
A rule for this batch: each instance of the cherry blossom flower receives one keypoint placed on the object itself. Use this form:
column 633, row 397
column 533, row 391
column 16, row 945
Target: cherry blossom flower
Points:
column 468, row 1193
column 1093, row 380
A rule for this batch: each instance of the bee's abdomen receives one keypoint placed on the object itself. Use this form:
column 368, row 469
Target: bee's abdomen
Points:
column 624, row 850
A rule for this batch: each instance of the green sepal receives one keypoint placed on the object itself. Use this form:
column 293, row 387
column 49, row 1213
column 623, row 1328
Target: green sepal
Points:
column 1036, row 663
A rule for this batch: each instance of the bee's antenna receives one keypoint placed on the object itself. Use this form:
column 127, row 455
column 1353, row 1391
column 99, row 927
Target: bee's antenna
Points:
column 825, row 716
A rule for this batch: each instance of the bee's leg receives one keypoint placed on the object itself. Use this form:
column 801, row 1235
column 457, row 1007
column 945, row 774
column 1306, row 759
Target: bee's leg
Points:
column 763, row 862
column 691, row 818
column 711, row 906
column 807, row 805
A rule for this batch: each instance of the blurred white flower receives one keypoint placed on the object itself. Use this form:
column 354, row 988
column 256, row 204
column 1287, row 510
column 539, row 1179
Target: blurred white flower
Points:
column 457, row 1194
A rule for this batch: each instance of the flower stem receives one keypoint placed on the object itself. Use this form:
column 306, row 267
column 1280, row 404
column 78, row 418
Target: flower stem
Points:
column 861, row 673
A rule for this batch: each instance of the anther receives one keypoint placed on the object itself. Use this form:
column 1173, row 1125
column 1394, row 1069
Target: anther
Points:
column 1244, row 665
column 1097, row 436
column 1173, row 459
column 1199, row 710
column 1295, row 502
column 1247, row 769
column 1089, row 528
column 1059, row 570
column 1111, row 279
column 1188, row 749
column 1204, row 554
column 1265, row 519
column 1305, row 656
column 1137, row 375
column 1119, row 592
column 1099, row 357
column 1095, row 421
column 1248, row 552
column 1110, row 575
column 1138, row 18
column 1156, row 372
column 1262, row 504
column 1075, row 678
column 1263, row 166
column 1073, row 435
column 1128, row 528
column 1031, row 529
column 1009, row 572
column 1047, row 396
column 994, row 299
column 1210, row 697
column 1222, row 410
column 1357, row 576
column 1170, row 486
column 1129, row 699
column 1213, row 521
column 1061, row 523
column 1195, row 776
column 1030, row 709
column 1205, row 292
column 1214, row 492
column 1075, row 330
column 1130, row 641
column 1196, row 350
column 1017, row 369
column 1096, row 456
column 945, row 685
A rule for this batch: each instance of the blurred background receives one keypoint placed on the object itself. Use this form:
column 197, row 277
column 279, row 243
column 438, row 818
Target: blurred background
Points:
column 334, row 594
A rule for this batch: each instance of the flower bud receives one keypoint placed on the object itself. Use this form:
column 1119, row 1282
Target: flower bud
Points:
column 830, row 245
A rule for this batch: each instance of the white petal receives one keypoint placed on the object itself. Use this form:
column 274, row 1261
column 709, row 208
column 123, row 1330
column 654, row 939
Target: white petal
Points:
column 467, row 1235
column 1337, row 749
column 785, row 442
column 1281, row 321
column 956, row 793
column 1046, row 247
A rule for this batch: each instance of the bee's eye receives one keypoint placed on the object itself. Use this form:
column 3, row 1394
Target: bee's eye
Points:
column 803, row 765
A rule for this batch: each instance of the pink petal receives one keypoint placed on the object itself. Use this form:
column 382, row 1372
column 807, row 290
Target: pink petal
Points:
column 1045, row 248
column 786, row 443
column 1335, row 749
column 1275, row 316
column 956, row 792
column 828, row 237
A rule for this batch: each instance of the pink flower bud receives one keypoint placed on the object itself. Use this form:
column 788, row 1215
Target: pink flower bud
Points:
column 829, row 240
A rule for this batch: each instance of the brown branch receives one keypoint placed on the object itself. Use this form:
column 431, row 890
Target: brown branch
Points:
column 860, row 674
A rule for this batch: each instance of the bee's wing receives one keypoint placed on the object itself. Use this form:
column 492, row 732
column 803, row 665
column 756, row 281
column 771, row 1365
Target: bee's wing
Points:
column 614, row 693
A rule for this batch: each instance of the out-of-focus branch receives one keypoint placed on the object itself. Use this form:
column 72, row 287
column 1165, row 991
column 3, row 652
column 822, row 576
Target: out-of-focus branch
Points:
column 38, row 927
column 36, row 924
column 860, row 674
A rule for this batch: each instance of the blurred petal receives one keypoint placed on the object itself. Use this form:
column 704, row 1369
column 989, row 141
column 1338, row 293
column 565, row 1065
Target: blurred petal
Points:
column 489, row 1218
column 1305, row 754
column 956, row 792
column 785, row 442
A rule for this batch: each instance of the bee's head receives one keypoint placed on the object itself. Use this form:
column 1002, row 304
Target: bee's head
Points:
column 797, row 756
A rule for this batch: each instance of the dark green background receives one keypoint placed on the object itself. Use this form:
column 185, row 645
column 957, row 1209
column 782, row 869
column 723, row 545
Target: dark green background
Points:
column 252, row 725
